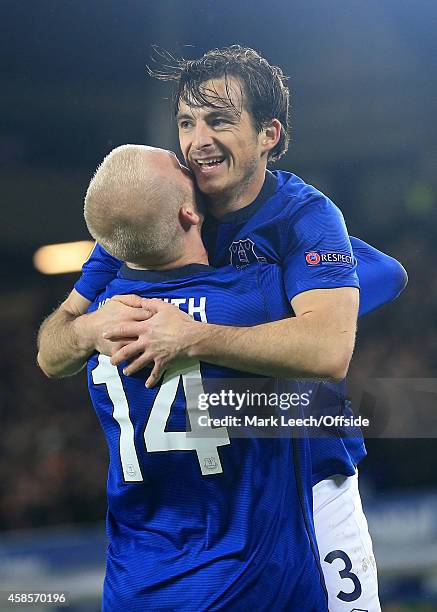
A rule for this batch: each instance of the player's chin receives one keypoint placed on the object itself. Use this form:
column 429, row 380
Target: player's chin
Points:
column 210, row 188
column 210, row 184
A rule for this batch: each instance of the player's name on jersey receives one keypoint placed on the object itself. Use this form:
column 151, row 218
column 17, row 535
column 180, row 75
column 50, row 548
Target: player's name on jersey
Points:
column 191, row 305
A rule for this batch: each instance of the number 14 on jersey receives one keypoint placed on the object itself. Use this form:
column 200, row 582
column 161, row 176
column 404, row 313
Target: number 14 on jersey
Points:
column 203, row 440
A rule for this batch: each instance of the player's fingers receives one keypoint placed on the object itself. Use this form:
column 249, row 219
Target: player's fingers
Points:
column 155, row 375
column 123, row 331
column 128, row 351
column 116, row 346
column 137, row 364
column 129, row 308
column 140, row 314
column 129, row 300
column 146, row 313
column 153, row 305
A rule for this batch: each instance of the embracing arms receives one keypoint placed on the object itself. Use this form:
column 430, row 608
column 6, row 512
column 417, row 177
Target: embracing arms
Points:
column 68, row 336
column 317, row 343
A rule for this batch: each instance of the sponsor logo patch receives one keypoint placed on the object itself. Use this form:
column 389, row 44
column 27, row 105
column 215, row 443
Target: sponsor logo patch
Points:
column 328, row 258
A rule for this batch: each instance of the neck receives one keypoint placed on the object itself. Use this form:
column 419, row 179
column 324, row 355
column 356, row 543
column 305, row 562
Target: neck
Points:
column 226, row 202
column 192, row 252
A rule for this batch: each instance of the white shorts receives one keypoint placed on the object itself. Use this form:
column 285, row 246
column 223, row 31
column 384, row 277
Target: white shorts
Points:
column 345, row 547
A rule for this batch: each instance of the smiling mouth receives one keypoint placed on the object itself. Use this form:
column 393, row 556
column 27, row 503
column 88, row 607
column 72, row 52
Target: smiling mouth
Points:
column 206, row 165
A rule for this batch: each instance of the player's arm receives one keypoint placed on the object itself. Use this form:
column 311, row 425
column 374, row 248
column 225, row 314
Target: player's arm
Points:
column 318, row 342
column 68, row 336
column 63, row 346
column 382, row 278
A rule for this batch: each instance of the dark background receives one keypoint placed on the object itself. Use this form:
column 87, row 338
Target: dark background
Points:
column 74, row 85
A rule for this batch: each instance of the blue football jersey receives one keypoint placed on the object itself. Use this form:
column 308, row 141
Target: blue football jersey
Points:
column 294, row 225
column 202, row 521
column 381, row 277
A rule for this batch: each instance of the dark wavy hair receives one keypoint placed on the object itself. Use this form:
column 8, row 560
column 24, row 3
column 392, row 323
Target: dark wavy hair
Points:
column 265, row 95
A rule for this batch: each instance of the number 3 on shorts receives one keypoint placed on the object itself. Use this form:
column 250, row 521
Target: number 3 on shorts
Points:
column 345, row 573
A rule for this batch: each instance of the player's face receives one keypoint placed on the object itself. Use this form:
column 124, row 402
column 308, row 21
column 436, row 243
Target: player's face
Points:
column 221, row 145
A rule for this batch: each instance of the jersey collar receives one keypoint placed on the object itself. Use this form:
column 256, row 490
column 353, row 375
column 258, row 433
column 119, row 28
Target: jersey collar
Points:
column 157, row 276
column 243, row 214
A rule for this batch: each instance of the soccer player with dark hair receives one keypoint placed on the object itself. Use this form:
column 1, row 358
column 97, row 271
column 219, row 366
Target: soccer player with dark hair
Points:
column 232, row 112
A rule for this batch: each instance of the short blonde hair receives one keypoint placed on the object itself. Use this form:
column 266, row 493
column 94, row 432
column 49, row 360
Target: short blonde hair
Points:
column 131, row 211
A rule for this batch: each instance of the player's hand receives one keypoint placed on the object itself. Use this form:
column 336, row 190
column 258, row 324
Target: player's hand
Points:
column 120, row 309
column 163, row 339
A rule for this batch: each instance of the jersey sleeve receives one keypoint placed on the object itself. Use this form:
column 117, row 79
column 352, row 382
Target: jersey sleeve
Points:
column 320, row 253
column 97, row 272
column 382, row 278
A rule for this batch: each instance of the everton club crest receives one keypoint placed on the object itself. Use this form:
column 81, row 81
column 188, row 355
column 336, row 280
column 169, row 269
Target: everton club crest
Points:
column 243, row 253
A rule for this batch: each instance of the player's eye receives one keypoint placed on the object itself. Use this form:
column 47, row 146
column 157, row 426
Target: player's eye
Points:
column 185, row 124
column 219, row 121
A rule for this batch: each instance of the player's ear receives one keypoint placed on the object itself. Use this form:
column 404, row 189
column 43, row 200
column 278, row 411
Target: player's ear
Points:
column 188, row 217
column 270, row 135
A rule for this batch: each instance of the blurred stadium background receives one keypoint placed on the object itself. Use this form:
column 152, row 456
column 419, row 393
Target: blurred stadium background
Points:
column 363, row 77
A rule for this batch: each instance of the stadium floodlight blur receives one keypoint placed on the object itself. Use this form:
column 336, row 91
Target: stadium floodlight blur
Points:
column 62, row 258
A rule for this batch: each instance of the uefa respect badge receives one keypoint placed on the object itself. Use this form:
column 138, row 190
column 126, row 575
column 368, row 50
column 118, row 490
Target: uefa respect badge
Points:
column 328, row 258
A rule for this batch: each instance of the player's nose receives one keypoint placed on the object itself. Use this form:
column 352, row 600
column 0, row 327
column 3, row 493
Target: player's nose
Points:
column 202, row 136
